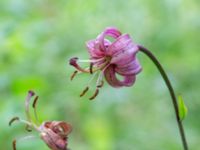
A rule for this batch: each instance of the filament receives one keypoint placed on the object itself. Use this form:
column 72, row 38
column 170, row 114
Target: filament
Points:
column 99, row 82
column 28, row 98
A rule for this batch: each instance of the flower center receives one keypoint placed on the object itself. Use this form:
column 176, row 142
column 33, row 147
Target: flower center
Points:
column 97, row 66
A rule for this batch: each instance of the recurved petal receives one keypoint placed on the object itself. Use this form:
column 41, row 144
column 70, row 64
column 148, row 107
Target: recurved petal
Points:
column 119, row 44
column 125, row 56
column 131, row 68
column 110, row 31
column 111, row 78
column 93, row 49
column 123, row 49
column 61, row 127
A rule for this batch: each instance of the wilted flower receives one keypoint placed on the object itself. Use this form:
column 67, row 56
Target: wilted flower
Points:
column 53, row 133
column 110, row 59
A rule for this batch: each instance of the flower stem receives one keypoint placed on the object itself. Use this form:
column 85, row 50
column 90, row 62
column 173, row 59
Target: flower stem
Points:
column 171, row 90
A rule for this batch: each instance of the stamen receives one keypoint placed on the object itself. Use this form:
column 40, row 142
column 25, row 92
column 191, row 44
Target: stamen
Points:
column 25, row 122
column 34, row 107
column 91, row 67
column 101, row 84
column 87, row 87
column 22, row 121
column 30, row 124
column 84, row 91
column 14, row 145
column 73, row 62
column 95, row 94
column 12, row 120
column 91, row 79
column 35, row 102
column 73, row 75
column 28, row 98
column 102, row 66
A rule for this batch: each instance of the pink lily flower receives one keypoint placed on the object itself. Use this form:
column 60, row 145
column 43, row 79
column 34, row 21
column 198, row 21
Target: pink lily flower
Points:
column 53, row 133
column 109, row 58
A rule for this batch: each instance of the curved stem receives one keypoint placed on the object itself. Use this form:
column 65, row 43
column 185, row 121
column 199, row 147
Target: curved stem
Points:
column 171, row 90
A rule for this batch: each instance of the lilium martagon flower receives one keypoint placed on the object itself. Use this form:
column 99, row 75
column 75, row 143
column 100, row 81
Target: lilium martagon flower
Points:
column 53, row 133
column 109, row 59
column 118, row 57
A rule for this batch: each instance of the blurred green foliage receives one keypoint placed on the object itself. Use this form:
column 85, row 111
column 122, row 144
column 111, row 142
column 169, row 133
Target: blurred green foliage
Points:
column 37, row 38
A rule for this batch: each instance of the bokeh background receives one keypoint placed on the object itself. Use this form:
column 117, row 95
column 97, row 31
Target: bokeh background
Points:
column 37, row 38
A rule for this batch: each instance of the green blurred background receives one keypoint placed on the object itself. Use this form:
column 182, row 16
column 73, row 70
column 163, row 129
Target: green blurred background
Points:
column 37, row 38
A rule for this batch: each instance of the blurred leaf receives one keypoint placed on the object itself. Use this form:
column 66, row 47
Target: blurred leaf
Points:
column 182, row 108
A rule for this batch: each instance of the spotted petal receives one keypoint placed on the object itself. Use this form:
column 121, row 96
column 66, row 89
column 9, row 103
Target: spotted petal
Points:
column 132, row 68
column 54, row 134
column 122, row 50
column 53, row 140
column 93, row 49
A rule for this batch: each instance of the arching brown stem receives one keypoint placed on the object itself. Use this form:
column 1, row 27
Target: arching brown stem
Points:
column 171, row 90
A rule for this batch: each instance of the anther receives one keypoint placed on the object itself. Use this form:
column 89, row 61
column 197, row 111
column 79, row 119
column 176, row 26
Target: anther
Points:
column 73, row 75
column 91, row 67
column 84, row 91
column 100, row 85
column 35, row 102
column 28, row 128
column 14, row 145
column 12, row 120
column 95, row 94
